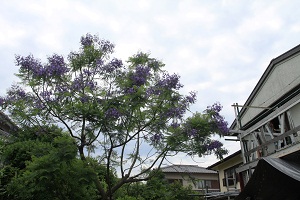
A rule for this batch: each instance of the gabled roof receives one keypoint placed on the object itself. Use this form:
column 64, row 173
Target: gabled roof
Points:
column 187, row 169
column 290, row 53
column 225, row 159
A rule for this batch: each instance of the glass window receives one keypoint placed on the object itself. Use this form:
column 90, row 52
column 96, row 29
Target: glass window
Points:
column 231, row 176
column 201, row 184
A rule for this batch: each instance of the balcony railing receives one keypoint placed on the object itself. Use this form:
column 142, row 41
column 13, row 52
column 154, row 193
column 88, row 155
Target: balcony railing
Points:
column 275, row 144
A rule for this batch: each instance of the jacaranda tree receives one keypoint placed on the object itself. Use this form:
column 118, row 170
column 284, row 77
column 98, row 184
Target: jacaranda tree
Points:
column 127, row 115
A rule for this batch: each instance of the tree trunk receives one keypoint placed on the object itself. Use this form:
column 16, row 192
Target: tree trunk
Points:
column 81, row 153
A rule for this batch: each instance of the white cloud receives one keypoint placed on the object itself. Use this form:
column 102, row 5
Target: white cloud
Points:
column 243, row 86
column 220, row 48
column 10, row 34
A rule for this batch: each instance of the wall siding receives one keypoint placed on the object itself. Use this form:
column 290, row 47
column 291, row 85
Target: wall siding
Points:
column 284, row 77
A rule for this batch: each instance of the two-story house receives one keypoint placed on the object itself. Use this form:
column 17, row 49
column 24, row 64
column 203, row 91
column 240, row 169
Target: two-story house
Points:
column 226, row 168
column 199, row 178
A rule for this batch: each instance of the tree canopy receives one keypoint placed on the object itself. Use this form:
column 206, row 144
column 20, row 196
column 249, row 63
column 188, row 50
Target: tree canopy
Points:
column 44, row 166
column 130, row 116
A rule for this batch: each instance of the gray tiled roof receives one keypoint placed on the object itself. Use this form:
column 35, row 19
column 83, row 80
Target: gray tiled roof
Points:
column 187, row 169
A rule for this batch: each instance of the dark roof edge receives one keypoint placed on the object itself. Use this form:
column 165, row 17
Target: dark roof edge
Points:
column 7, row 126
column 6, row 119
column 208, row 171
column 225, row 159
column 181, row 165
column 270, row 67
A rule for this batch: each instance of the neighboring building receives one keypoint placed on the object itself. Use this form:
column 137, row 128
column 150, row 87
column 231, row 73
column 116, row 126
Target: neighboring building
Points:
column 226, row 168
column 201, row 179
column 6, row 125
column 268, row 124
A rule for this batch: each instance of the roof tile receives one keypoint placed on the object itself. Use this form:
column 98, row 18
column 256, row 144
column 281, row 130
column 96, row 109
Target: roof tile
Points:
column 187, row 169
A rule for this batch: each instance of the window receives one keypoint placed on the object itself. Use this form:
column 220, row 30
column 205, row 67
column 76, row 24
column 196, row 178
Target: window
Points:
column 202, row 184
column 231, row 177
column 175, row 180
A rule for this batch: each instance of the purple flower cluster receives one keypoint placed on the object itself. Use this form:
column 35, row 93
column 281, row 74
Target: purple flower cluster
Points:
column 130, row 91
column 175, row 112
column 80, row 83
column 219, row 120
column 216, row 107
column 222, row 125
column 106, row 46
column 99, row 62
column 46, row 95
column 15, row 93
column 153, row 91
column 39, row 105
column 113, row 65
column 87, row 40
column 193, row 132
column 192, row 97
column 87, row 72
column 139, row 77
column 214, row 144
column 112, row 113
column 116, row 63
column 61, row 88
column 21, row 93
column 84, row 99
column 30, row 64
column 156, row 137
column 170, row 82
column 189, row 130
column 91, row 84
column 56, row 66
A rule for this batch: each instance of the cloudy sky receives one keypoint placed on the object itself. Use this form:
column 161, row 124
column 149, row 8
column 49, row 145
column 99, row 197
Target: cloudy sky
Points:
column 219, row 48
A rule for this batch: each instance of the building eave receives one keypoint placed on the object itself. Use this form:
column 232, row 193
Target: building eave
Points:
column 224, row 160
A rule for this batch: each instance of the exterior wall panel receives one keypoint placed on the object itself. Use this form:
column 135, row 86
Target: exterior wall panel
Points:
column 283, row 78
column 295, row 114
column 226, row 165
column 187, row 179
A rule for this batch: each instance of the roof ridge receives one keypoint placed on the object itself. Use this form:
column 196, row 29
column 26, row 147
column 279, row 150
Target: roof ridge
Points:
column 183, row 165
column 186, row 169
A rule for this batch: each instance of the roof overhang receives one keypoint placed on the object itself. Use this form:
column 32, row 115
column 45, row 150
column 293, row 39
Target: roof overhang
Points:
column 273, row 178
